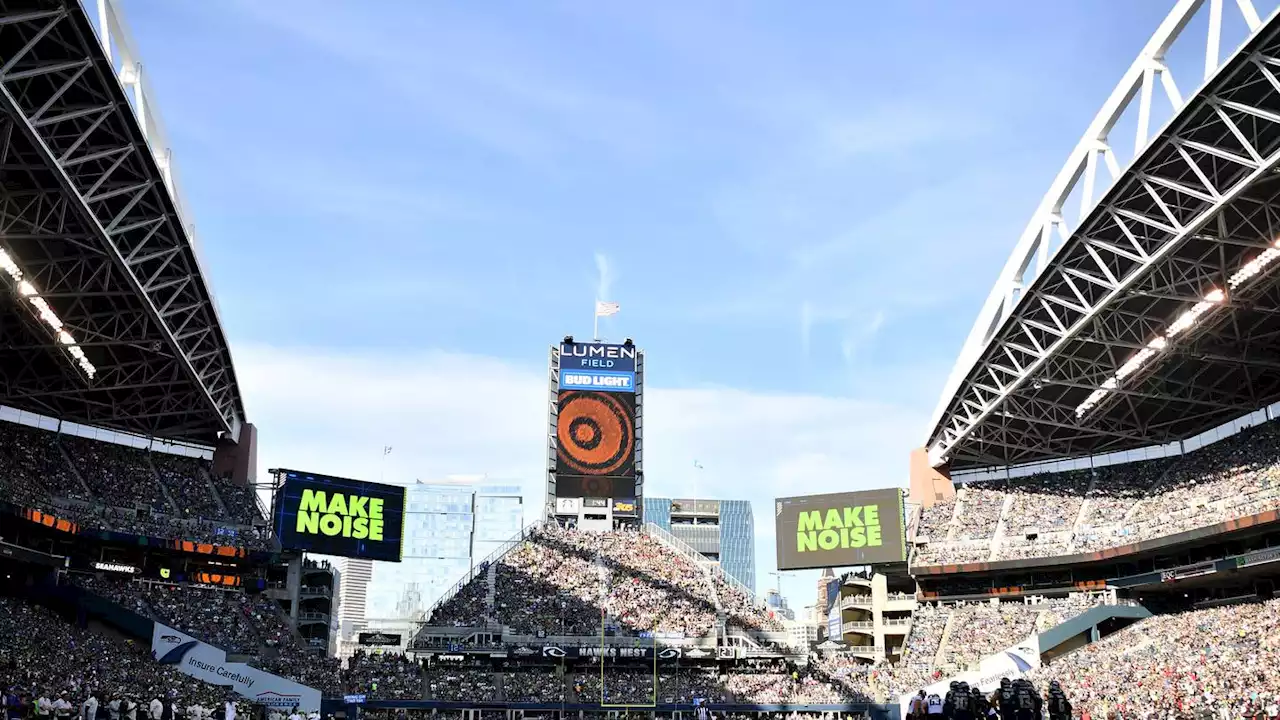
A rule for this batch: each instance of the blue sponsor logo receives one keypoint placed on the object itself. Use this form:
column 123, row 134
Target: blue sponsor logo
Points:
column 597, row 380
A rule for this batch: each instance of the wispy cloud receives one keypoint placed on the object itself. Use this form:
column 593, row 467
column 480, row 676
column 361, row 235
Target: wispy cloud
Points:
column 604, row 277
column 862, row 332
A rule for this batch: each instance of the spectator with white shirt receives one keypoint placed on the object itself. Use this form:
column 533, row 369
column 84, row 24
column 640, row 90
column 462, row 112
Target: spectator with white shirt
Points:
column 62, row 707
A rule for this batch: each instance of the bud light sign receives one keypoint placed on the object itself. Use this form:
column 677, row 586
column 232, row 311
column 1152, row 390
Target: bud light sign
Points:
column 593, row 366
column 597, row 380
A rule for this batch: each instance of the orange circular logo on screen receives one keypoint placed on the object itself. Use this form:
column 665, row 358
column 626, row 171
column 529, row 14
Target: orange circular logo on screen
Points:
column 595, row 433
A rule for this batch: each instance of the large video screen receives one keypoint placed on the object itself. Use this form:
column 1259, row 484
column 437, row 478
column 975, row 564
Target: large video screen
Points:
column 596, row 438
column 840, row 529
column 337, row 516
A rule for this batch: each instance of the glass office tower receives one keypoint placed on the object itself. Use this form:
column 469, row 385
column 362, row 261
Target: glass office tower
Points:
column 448, row 527
column 722, row 530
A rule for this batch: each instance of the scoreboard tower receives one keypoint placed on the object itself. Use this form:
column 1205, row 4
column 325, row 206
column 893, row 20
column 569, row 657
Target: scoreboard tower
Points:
column 595, row 445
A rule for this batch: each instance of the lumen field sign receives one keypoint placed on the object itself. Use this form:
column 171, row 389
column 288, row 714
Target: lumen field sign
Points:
column 337, row 516
column 840, row 529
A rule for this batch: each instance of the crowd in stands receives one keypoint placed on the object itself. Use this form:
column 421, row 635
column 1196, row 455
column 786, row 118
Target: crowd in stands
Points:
column 454, row 683
column 184, row 479
column 118, row 472
column 540, row 684
column 1221, row 662
column 980, row 629
column 565, row 582
column 106, row 486
column 51, row 658
column 235, row 621
column 928, row 622
column 32, row 467
column 1225, row 660
column 389, row 676
column 1080, row 511
column 741, row 608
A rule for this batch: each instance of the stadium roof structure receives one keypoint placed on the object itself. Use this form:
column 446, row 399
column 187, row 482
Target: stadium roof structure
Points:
column 107, row 319
column 1154, row 313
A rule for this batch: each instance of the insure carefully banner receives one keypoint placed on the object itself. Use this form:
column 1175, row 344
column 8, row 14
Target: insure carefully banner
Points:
column 208, row 663
column 840, row 529
column 336, row 516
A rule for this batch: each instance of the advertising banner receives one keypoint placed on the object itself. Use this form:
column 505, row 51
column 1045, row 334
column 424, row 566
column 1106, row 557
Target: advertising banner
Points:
column 1260, row 557
column 379, row 638
column 206, row 662
column 597, row 380
column 596, row 436
column 596, row 366
column 598, row 356
column 596, row 651
column 1188, row 571
column 625, row 507
column 336, row 516
column 1012, row 662
column 840, row 529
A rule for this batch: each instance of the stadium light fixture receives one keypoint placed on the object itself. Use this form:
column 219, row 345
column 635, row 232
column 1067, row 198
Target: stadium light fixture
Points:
column 46, row 314
column 1184, row 322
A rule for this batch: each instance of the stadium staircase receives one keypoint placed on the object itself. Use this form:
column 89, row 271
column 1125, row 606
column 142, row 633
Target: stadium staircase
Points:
column 213, row 490
column 956, row 513
column 75, row 471
column 491, row 588
column 1083, row 513
column 1153, row 492
column 998, row 537
column 942, row 643
column 176, row 509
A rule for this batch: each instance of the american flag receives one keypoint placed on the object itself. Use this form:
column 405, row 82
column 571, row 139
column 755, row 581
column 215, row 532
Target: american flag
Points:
column 605, row 309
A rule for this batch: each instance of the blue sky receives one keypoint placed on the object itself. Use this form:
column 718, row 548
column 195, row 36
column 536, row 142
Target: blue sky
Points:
column 800, row 211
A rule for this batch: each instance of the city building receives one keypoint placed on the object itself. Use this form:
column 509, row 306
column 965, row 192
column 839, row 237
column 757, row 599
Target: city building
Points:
column 723, row 531
column 804, row 634
column 353, row 590
column 448, row 527
column 872, row 614
column 778, row 604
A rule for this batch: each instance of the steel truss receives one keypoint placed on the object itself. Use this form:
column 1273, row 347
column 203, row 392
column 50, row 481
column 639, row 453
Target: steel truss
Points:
column 89, row 214
column 1200, row 201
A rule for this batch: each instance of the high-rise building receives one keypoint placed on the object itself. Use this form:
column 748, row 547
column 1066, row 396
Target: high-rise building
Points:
column 353, row 593
column 448, row 527
column 723, row 531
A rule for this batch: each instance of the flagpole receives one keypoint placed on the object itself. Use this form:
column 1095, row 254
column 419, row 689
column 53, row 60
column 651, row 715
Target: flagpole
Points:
column 595, row 324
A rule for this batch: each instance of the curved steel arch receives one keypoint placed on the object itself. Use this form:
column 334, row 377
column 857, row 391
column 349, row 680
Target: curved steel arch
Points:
column 967, row 400
column 75, row 100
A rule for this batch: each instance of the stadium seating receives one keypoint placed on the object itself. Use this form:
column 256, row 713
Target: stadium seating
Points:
column 565, row 582
column 103, row 485
column 1079, row 511
column 232, row 620
column 1222, row 662
column 45, row 655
